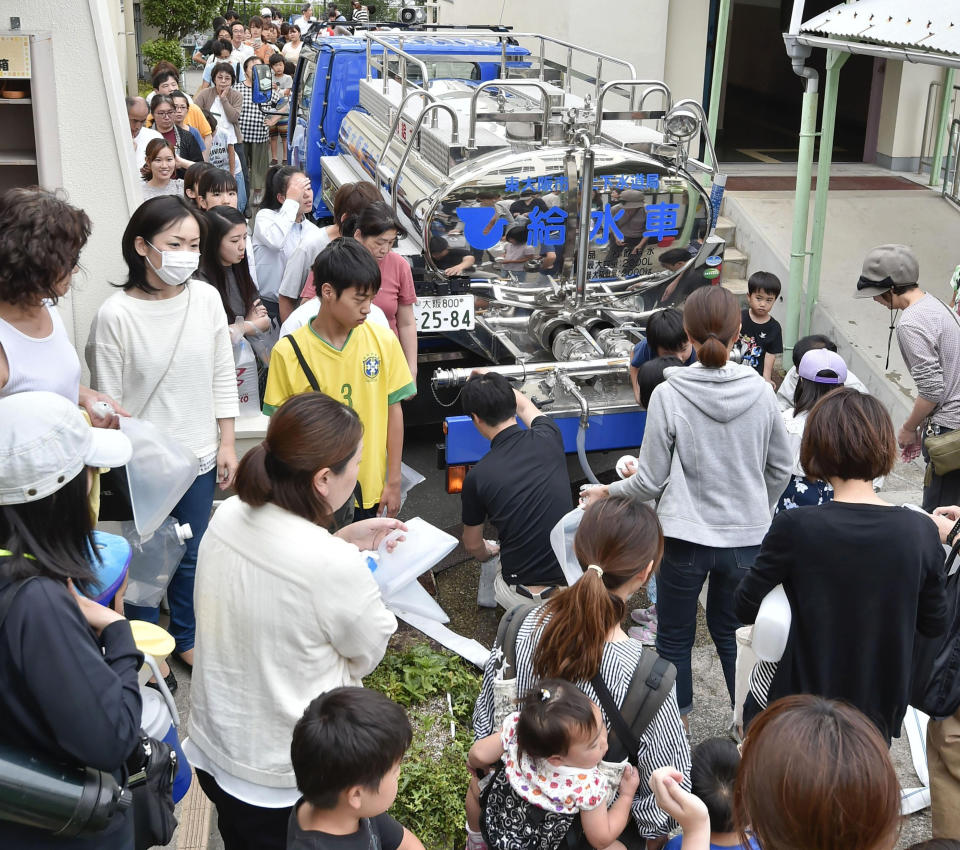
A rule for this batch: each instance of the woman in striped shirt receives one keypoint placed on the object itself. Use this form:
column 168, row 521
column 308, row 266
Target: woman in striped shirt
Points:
column 577, row 633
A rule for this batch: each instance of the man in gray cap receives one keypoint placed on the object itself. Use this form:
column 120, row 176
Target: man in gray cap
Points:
column 928, row 334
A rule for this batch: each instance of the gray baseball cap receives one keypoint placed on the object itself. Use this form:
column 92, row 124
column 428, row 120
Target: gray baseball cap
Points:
column 887, row 267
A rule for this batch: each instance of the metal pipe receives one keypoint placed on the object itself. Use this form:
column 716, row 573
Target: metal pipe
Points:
column 942, row 124
column 711, row 153
column 586, row 207
column 798, row 247
column 572, row 388
column 472, row 135
column 454, row 140
column 526, row 371
column 835, row 61
column 652, row 85
column 393, row 129
column 716, row 80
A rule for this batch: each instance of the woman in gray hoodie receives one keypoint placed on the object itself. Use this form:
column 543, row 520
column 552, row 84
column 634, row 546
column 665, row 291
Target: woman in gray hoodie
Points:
column 716, row 457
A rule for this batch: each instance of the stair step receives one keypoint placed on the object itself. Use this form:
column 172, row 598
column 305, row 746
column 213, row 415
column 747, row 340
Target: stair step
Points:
column 736, row 285
column 734, row 263
column 726, row 229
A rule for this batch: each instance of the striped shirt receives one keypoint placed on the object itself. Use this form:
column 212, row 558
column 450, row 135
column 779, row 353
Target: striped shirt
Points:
column 361, row 15
column 664, row 742
column 928, row 334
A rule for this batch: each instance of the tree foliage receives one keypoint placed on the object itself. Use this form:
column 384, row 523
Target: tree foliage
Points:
column 176, row 18
column 159, row 50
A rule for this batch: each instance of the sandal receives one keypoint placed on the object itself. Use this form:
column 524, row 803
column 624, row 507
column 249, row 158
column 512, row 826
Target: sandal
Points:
column 169, row 680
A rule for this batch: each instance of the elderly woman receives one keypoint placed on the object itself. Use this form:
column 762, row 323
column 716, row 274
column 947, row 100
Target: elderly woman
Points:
column 285, row 610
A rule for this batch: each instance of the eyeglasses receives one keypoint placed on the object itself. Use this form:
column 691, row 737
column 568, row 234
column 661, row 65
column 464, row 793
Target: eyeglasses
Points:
column 166, row 113
column 180, row 108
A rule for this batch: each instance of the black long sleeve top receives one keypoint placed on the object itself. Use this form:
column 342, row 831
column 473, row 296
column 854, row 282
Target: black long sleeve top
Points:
column 68, row 696
column 862, row 580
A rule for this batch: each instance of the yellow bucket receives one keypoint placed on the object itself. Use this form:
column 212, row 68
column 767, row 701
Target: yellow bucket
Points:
column 151, row 640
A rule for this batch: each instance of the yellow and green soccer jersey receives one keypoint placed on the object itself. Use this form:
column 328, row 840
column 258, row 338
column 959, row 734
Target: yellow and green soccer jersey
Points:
column 368, row 374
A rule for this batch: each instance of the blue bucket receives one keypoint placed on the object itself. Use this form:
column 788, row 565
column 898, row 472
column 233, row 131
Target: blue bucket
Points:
column 160, row 720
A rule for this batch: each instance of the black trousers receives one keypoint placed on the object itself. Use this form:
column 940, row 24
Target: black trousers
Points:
column 242, row 826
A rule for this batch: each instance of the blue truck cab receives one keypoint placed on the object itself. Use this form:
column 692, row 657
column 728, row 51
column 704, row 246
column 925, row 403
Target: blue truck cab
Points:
column 326, row 87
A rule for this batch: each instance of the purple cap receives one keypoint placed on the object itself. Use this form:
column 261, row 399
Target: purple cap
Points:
column 820, row 359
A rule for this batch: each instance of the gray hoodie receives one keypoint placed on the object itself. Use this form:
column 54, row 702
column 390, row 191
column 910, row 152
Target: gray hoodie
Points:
column 715, row 454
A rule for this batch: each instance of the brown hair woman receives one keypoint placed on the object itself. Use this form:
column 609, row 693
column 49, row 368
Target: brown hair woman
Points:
column 862, row 576
column 285, row 610
column 576, row 634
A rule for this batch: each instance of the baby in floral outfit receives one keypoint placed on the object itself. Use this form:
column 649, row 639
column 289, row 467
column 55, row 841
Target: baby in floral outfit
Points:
column 551, row 751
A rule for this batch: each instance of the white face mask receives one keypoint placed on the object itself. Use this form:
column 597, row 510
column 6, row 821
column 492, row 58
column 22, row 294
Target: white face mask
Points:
column 176, row 267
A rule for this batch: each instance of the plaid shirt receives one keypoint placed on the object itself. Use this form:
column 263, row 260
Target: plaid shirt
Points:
column 251, row 118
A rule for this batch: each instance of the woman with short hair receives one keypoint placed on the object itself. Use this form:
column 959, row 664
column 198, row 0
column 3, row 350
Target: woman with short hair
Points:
column 285, row 610
column 862, row 576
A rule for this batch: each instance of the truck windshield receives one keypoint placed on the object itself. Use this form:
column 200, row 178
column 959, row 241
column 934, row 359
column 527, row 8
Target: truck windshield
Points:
column 305, row 91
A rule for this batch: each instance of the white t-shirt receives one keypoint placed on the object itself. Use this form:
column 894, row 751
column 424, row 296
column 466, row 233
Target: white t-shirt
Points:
column 307, row 311
column 291, row 52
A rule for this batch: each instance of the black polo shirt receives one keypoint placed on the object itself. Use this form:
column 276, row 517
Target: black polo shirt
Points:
column 521, row 484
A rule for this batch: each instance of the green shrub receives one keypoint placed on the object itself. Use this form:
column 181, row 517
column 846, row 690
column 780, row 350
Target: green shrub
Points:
column 176, row 18
column 434, row 778
column 159, row 50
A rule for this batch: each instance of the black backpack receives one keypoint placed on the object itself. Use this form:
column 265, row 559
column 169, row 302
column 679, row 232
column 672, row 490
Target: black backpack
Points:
column 935, row 688
column 515, row 824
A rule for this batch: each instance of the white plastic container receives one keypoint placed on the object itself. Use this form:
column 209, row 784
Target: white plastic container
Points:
column 772, row 626
column 154, row 562
column 424, row 545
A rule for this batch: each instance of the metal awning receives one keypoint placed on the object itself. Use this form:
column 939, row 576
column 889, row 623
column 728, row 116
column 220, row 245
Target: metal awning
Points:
column 924, row 31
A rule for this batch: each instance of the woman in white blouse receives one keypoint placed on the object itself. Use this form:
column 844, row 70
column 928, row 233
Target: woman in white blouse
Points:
column 285, row 611
column 161, row 347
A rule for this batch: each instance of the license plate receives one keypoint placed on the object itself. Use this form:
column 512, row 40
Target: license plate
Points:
column 439, row 313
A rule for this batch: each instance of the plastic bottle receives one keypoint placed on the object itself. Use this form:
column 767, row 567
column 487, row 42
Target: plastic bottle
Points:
column 772, row 626
column 154, row 561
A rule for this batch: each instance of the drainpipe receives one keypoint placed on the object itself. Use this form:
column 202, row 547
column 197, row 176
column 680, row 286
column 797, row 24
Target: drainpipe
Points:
column 799, row 54
column 835, row 61
column 716, row 82
column 945, row 98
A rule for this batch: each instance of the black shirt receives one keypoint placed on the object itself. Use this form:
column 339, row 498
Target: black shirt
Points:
column 521, row 484
column 862, row 580
column 67, row 696
column 453, row 257
column 523, row 206
column 758, row 340
column 690, row 280
column 379, row 833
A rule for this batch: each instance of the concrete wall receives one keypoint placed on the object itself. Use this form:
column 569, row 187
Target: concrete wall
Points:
column 686, row 48
column 905, row 91
column 636, row 32
column 86, row 99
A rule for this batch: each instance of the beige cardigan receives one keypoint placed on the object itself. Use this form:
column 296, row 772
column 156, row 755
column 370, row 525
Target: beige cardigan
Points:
column 232, row 102
column 285, row 611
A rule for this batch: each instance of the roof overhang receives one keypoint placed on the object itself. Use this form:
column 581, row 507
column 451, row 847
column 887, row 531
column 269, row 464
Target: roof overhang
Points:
column 919, row 31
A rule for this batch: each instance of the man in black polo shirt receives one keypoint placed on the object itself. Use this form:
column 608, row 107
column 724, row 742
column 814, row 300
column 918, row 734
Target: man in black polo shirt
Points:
column 520, row 485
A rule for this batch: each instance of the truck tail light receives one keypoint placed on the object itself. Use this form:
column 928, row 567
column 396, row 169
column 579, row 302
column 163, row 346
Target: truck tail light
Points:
column 455, row 476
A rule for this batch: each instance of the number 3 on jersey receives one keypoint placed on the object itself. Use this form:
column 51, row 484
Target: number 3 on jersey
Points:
column 346, row 391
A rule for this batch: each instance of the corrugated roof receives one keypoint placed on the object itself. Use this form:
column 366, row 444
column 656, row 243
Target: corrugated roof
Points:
column 925, row 24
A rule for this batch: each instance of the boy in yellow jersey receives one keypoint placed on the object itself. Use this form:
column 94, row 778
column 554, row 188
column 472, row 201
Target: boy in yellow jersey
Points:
column 354, row 361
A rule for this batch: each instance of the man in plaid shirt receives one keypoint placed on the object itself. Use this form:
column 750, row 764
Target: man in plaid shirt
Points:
column 256, row 132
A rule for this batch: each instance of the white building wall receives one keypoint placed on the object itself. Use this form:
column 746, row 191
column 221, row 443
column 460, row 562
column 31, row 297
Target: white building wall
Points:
column 87, row 96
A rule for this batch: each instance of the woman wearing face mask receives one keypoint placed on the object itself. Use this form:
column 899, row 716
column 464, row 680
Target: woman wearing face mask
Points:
column 159, row 169
column 273, row 575
column 162, row 347
column 377, row 229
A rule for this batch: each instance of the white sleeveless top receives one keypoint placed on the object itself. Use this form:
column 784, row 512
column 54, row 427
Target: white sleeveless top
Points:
column 49, row 363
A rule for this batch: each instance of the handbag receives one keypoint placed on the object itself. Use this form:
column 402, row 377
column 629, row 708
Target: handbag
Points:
column 115, row 504
column 152, row 767
column 943, row 451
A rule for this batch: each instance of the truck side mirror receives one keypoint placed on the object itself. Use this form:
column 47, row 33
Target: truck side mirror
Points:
column 262, row 83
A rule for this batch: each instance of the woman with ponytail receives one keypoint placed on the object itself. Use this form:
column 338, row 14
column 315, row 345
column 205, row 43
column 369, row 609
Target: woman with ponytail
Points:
column 576, row 634
column 716, row 457
column 285, row 610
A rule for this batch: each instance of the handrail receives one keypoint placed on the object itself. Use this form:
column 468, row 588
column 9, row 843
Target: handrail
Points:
column 952, row 156
column 454, row 139
column 538, row 84
column 393, row 127
column 653, row 85
column 704, row 131
column 505, row 38
column 401, row 54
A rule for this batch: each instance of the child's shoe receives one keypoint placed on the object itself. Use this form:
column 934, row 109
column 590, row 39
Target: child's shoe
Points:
column 644, row 634
column 645, row 616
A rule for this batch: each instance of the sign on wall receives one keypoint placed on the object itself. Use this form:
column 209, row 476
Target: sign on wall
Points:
column 14, row 57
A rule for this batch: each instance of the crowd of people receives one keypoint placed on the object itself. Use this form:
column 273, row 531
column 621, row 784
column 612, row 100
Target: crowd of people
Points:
column 738, row 485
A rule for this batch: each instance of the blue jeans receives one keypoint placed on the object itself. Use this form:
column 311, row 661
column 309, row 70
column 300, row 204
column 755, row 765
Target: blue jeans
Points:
column 684, row 568
column 193, row 508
